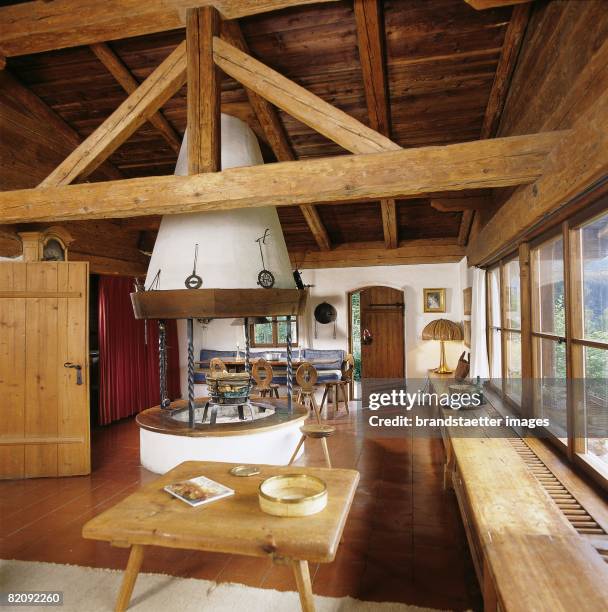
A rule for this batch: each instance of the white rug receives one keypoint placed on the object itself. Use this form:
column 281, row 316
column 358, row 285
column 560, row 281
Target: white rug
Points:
column 94, row 590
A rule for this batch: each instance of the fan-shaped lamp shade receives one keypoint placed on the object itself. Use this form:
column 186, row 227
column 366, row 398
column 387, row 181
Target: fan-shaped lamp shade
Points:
column 442, row 330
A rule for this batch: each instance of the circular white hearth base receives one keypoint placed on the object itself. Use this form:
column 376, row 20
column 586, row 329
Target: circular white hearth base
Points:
column 160, row 452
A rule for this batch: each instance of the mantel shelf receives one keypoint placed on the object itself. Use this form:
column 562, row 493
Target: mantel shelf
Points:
column 217, row 303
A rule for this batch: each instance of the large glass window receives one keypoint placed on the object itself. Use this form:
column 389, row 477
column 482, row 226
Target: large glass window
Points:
column 590, row 331
column 548, row 334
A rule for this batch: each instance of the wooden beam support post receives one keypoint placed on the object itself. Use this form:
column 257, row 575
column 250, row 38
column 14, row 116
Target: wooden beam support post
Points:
column 389, row 223
column 275, row 134
column 204, row 125
column 508, row 58
column 165, row 81
column 498, row 162
column 299, row 102
column 127, row 81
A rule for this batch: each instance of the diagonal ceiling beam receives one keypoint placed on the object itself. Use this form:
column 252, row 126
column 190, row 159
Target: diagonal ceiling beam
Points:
column 163, row 83
column 299, row 102
column 465, row 227
column 498, row 162
column 574, row 166
column 275, row 134
column 506, row 64
column 33, row 27
column 370, row 39
column 127, row 81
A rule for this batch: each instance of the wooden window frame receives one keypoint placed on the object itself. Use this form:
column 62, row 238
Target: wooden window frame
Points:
column 575, row 448
column 275, row 335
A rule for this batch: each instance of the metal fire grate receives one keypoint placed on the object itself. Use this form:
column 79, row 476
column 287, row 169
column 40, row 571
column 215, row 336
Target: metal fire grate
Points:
column 580, row 519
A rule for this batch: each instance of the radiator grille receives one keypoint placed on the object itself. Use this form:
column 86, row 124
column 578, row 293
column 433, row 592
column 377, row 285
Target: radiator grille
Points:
column 580, row 519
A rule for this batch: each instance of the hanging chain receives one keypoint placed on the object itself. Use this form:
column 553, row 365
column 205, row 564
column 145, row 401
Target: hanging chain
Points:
column 165, row 402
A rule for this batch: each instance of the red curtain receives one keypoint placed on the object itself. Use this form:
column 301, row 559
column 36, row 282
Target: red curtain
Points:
column 128, row 355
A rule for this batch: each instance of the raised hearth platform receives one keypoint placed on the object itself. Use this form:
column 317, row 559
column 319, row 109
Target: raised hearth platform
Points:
column 166, row 440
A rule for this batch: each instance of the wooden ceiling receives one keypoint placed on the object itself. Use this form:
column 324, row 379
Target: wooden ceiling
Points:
column 440, row 64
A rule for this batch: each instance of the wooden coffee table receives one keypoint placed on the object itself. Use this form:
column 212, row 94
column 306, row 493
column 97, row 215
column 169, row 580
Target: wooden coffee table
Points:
column 234, row 525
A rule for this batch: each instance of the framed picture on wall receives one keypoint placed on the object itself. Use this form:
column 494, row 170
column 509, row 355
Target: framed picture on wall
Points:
column 467, row 299
column 434, row 300
column 466, row 325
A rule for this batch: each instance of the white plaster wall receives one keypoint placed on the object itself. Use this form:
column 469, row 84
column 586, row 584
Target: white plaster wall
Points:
column 333, row 285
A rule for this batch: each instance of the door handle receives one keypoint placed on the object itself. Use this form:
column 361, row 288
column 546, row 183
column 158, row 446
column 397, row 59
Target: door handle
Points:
column 78, row 368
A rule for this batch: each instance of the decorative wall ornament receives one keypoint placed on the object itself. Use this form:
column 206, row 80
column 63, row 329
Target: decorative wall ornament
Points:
column 324, row 314
column 265, row 277
column 434, row 300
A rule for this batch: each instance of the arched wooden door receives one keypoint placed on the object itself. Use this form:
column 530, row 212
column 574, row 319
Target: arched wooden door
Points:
column 382, row 315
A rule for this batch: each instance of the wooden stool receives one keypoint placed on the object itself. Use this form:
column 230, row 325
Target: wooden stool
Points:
column 320, row 432
column 262, row 373
column 340, row 386
column 306, row 377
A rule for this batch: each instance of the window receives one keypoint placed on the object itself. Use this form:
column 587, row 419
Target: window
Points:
column 589, row 262
column 549, row 334
column 504, row 328
column 274, row 332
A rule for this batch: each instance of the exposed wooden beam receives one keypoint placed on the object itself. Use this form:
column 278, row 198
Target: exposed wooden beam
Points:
column 299, row 102
column 460, row 204
column 465, row 227
column 38, row 26
column 578, row 162
column 202, row 24
column 389, row 223
column 101, row 264
column 127, row 81
column 508, row 58
column 481, row 5
column 497, row 162
column 375, row 254
column 275, row 134
column 167, row 79
column 371, row 54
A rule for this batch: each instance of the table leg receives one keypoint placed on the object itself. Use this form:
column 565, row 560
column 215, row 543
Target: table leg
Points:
column 302, row 575
column 128, row 582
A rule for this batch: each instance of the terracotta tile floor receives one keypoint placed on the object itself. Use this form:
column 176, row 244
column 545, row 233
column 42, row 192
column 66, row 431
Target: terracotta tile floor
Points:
column 404, row 540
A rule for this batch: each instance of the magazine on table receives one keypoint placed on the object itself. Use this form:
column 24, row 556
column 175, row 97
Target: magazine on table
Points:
column 198, row 491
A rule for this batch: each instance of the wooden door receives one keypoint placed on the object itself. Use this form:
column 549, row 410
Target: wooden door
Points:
column 382, row 314
column 44, row 421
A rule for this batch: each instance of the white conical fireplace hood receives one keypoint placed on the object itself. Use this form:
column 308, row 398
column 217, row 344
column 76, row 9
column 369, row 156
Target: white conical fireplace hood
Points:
column 228, row 255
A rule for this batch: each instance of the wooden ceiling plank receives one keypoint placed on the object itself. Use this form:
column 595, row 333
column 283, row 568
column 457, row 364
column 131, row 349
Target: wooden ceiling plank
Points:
column 481, row 5
column 204, row 138
column 299, row 102
column 504, row 71
column 275, row 134
column 371, row 55
column 497, row 162
column 356, row 255
column 29, row 100
column 127, row 81
column 163, row 83
column 33, row 27
column 577, row 163
column 389, row 223
column 465, row 227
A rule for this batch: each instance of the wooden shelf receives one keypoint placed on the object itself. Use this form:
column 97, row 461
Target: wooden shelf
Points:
column 217, row 303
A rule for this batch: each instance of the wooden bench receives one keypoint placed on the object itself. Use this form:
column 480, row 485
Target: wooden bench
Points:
column 526, row 553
